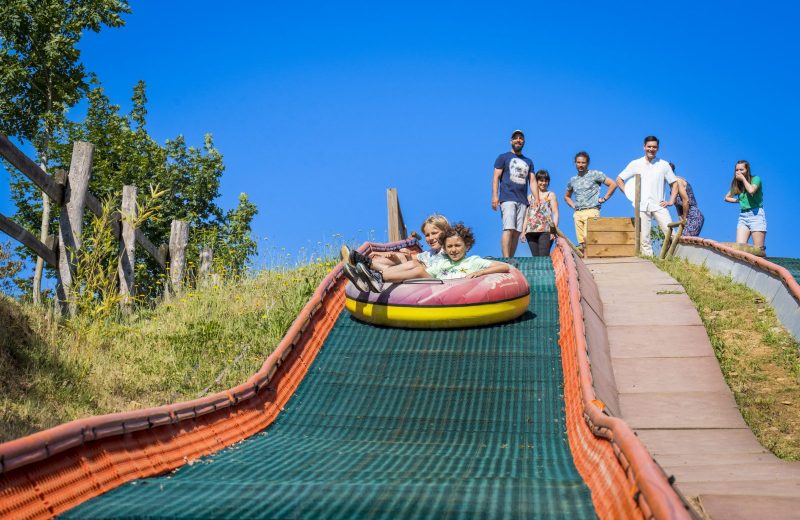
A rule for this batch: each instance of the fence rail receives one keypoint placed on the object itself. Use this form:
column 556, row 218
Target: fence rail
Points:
column 71, row 193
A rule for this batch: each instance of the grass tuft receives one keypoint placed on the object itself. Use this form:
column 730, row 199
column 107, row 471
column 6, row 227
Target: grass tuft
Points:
column 759, row 358
column 200, row 342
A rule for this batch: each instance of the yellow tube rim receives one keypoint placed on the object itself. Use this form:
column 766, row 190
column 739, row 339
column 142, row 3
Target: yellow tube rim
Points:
column 444, row 317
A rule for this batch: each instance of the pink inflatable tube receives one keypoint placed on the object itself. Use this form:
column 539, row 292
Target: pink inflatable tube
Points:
column 437, row 304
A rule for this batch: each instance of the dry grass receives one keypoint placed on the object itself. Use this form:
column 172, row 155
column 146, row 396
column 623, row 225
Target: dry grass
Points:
column 202, row 342
column 758, row 357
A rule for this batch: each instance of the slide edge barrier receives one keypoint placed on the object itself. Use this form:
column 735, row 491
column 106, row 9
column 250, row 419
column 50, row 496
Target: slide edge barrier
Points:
column 646, row 490
column 763, row 263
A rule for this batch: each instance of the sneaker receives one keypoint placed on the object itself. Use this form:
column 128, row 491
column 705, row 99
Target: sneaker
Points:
column 353, row 257
column 352, row 275
column 373, row 279
column 345, row 253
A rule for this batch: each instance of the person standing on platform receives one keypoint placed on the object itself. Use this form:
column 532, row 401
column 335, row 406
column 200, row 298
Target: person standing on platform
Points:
column 513, row 173
column 654, row 172
column 585, row 187
column 542, row 216
column 686, row 206
column 746, row 189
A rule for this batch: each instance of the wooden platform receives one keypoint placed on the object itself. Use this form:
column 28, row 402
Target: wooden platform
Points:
column 672, row 393
column 610, row 237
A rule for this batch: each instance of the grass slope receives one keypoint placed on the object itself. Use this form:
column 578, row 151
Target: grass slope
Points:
column 758, row 357
column 201, row 342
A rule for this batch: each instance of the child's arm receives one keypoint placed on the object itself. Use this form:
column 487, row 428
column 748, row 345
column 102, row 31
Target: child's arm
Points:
column 396, row 256
column 730, row 198
column 496, row 267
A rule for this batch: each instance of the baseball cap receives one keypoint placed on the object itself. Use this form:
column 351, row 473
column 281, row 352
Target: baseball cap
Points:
column 517, row 131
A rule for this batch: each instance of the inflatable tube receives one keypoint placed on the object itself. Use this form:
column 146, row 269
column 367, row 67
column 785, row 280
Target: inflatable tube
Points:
column 448, row 304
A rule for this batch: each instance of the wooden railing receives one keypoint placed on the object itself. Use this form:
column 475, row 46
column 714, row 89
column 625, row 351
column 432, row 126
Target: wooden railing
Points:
column 70, row 191
column 671, row 242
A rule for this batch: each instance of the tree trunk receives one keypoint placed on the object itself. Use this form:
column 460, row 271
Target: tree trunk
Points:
column 44, row 231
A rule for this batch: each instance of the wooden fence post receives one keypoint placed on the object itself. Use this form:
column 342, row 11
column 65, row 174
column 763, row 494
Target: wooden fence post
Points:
column 397, row 228
column 70, row 225
column 637, row 203
column 127, row 247
column 178, row 238
column 206, row 257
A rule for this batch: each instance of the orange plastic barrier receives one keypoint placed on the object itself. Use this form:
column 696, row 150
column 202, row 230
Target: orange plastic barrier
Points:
column 607, row 453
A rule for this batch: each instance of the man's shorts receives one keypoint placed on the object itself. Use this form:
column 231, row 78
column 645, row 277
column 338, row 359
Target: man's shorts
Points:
column 513, row 214
column 753, row 219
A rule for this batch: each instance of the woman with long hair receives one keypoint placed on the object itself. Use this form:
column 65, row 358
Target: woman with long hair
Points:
column 686, row 206
column 747, row 190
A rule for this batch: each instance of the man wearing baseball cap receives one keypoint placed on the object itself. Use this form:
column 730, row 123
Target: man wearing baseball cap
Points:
column 513, row 172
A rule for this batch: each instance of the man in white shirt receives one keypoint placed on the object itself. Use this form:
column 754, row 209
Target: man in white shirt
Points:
column 653, row 173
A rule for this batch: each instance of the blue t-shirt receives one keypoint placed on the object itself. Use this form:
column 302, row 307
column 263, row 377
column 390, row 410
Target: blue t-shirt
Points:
column 514, row 181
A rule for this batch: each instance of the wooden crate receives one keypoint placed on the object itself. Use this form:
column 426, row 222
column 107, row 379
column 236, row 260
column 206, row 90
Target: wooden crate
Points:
column 610, row 236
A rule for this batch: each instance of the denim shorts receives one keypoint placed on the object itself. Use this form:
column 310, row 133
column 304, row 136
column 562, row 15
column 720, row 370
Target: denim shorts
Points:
column 753, row 219
column 513, row 214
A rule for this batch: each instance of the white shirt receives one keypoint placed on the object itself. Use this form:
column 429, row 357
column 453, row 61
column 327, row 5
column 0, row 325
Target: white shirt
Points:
column 653, row 176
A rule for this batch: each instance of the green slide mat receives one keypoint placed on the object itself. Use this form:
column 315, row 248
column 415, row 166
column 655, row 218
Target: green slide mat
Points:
column 393, row 423
column 791, row 264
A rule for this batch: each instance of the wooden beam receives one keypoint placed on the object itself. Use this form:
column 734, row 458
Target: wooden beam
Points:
column 595, row 224
column 31, row 170
column 612, row 237
column 608, row 250
column 157, row 253
column 24, row 237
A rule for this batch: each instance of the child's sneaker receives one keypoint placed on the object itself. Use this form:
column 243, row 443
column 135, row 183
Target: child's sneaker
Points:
column 373, row 279
column 353, row 257
column 352, row 275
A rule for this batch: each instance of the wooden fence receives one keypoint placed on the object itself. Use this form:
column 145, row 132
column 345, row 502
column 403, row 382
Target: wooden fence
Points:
column 70, row 192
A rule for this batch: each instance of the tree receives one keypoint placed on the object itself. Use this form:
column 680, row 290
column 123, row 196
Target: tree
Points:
column 126, row 154
column 234, row 244
column 41, row 75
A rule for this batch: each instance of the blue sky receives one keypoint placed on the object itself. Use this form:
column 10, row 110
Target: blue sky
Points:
column 318, row 108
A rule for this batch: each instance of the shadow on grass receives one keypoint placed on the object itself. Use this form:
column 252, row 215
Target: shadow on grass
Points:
column 32, row 376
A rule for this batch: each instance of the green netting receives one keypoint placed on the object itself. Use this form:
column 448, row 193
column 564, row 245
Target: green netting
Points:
column 791, row 264
column 394, row 423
